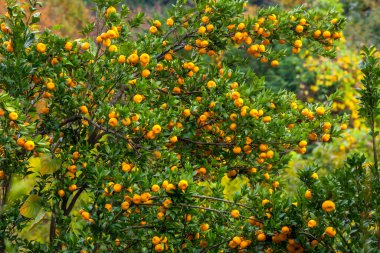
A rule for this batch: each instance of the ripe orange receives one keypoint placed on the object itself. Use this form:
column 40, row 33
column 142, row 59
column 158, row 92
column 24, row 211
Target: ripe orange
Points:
column 183, row 184
column 158, row 248
column 211, row 84
column 311, row 223
column 54, row 61
column 241, row 26
column 328, row 206
column 72, row 168
column 275, row 184
column 85, row 215
column 261, row 237
column 125, row 205
column 121, row 59
column 144, row 59
column 308, row 195
column 113, row 122
column 156, row 240
column 173, row 139
column 133, row 59
column 314, row 243
column 13, row 116
column 117, row 187
column 29, row 145
column 112, row 49
column 237, row 150
column 274, row 63
column 155, row 188
column 61, row 193
column 137, row 98
column 202, row 30
column 85, row 46
column 263, row 147
column 84, row 109
column 204, row 227
column 299, row 28
column 156, row 129
column 145, row 73
column 320, row 110
column 50, row 86
column 285, row 230
column 302, row 144
column 267, row 119
column 264, row 202
column 235, row 214
column 239, row 102
column 326, row 34
column 41, row 47
column 72, row 187
column 330, row 231
column 110, row 11
column 316, row 34
column 170, row 22
column 297, row 44
column 157, row 23
column 153, row 30
column 20, row 142
column 326, row 137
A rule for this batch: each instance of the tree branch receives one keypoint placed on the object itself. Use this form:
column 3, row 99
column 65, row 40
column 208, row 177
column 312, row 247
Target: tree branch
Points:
column 75, row 198
column 206, row 143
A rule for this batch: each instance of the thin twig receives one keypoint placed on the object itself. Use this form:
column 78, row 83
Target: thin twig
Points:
column 206, row 143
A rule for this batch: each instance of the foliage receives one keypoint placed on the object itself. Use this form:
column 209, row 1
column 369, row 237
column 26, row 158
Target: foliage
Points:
column 136, row 131
column 363, row 16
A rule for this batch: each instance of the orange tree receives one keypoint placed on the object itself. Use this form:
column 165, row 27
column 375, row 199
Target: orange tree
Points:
column 137, row 128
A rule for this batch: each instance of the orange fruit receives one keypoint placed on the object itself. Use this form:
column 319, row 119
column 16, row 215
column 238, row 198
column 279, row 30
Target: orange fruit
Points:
column 68, row 46
column 85, row 215
column 84, row 109
column 145, row 73
column 20, row 142
column 170, row 22
column 61, row 193
column 85, row 46
column 41, row 47
column 274, row 63
column 72, row 187
column 117, row 187
column 29, row 145
column 125, row 205
column 13, row 116
column 235, row 214
column 155, row 188
column 183, row 184
column 204, row 227
column 261, row 237
column 50, row 86
column 113, row 122
column 308, row 195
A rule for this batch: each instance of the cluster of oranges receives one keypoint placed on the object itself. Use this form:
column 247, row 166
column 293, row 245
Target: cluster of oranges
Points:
column 192, row 115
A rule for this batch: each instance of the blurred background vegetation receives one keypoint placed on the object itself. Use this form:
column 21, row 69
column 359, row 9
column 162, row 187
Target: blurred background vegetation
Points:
column 363, row 15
